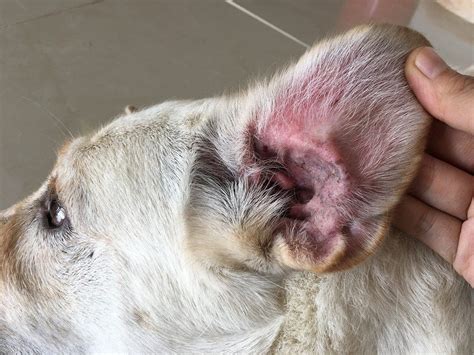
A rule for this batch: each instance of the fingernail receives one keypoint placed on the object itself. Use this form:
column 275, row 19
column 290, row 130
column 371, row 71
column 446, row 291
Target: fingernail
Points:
column 430, row 63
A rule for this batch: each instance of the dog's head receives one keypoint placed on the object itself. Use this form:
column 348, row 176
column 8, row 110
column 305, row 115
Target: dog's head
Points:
column 171, row 227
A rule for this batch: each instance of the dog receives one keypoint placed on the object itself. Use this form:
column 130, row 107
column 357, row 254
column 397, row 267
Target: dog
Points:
column 252, row 223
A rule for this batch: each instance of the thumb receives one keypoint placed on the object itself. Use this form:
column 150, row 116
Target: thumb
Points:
column 443, row 92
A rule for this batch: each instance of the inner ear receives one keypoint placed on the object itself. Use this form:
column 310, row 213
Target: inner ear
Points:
column 347, row 135
column 325, row 227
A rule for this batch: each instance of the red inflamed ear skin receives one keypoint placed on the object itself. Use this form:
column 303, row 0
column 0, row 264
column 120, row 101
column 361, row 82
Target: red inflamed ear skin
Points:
column 348, row 135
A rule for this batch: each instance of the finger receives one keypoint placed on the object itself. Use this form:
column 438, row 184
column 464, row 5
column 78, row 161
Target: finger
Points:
column 443, row 187
column 451, row 145
column 436, row 229
column 444, row 93
column 464, row 260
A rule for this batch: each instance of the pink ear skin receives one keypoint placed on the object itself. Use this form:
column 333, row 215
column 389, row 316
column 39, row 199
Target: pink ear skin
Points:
column 349, row 135
column 318, row 234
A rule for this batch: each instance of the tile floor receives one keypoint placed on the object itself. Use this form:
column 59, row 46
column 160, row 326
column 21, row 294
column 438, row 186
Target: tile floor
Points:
column 67, row 66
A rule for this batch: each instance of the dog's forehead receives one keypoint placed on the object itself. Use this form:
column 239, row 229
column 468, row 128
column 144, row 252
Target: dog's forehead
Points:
column 137, row 131
column 67, row 162
column 80, row 153
column 114, row 158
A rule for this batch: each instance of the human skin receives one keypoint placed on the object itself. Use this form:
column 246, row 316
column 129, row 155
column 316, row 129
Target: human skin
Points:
column 439, row 208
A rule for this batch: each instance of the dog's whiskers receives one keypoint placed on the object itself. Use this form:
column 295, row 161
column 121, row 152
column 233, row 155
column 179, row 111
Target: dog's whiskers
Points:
column 273, row 283
column 59, row 123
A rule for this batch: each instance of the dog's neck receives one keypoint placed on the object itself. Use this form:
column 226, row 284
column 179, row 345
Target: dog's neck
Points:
column 204, row 312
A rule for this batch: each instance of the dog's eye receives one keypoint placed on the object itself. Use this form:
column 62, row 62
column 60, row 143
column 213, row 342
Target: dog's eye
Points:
column 55, row 214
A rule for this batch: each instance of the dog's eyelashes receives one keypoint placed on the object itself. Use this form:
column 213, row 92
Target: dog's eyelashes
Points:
column 56, row 214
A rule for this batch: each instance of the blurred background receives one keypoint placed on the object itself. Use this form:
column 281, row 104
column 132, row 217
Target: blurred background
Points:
column 69, row 66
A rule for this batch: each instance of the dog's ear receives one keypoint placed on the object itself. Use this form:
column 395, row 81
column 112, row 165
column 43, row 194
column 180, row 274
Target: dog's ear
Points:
column 303, row 171
column 348, row 134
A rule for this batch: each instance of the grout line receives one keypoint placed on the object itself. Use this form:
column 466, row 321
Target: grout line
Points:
column 53, row 13
column 265, row 22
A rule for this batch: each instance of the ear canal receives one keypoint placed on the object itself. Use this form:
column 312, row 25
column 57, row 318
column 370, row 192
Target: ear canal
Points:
column 349, row 133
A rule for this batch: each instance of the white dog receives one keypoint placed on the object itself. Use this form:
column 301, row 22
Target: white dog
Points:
column 215, row 225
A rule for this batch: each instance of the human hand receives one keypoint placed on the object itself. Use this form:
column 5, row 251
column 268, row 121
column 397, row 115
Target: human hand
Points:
column 439, row 209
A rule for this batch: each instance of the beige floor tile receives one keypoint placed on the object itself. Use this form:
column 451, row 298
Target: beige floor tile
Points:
column 307, row 20
column 18, row 11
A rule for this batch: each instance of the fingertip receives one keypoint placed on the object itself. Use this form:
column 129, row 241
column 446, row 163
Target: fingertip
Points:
column 429, row 63
column 444, row 93
column 410, row 61
column 420, row 84
column 411, row 69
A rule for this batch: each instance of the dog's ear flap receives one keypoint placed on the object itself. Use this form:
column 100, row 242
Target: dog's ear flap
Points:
column 349, row 134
